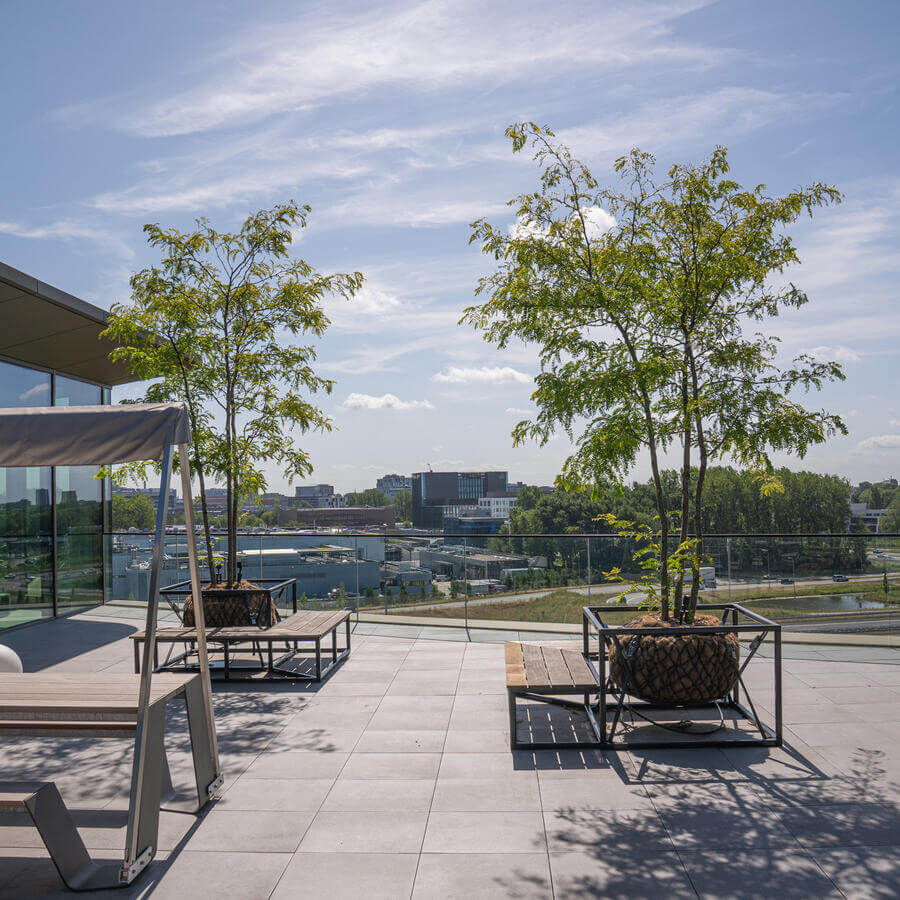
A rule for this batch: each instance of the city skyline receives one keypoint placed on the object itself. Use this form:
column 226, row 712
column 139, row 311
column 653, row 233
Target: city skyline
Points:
column 388, row 119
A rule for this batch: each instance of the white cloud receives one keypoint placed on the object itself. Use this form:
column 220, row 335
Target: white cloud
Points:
column 519, row 412
column 385, row 401
column 482, row 375
column 597, row 222
column 33, row 393
column 894, row 422
column 67, row 230
column 296, row 66
column 880, row 442
column 838, row 353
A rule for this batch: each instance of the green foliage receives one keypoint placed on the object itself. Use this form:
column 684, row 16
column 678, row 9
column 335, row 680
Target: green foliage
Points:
column 639, row 300
column 136, row 511
column 403, row 506
column 212, row 325
column 647, row 559
column 368, row 497
column 454, row 588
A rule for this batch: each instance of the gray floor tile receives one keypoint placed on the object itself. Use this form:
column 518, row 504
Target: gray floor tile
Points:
column 498, row 794
column 618, row 873
column 253, row 831
column 379, row 795
column 584, row 830
column 756, row 874
column 392, row 765
column 375, row 876
column 864, row 873
column 250, row 876
column 477, row 832
column 593, row 791
column 365, row 832
column 281, row 794
column 376, row 740
column 844, row 825
column 462, row 876
column 293, row 765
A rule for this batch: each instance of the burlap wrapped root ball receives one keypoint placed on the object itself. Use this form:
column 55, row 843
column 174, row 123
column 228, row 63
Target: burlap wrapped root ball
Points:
column 233, row 606
column 676, row 670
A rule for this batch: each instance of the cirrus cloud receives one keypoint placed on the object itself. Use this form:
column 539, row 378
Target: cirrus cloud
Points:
column 385, row 401
column 482, row 375
column 880, row 442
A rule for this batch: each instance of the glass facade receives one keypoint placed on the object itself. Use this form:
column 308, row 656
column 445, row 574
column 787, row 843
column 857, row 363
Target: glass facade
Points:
column 51, row 518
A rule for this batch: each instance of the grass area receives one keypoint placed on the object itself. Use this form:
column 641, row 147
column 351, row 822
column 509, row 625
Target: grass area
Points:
column 565, row 605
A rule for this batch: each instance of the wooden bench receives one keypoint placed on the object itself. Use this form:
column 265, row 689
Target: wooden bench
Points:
column 541, row 672
column 74, row 704
column 44, row 805
column 306, row 626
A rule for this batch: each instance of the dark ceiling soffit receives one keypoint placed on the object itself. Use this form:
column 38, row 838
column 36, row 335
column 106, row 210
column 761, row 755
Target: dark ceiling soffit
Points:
column 100, row 368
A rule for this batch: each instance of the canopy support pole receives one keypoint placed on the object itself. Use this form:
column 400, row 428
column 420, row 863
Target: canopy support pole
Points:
column 142, row 749
column 199, row 612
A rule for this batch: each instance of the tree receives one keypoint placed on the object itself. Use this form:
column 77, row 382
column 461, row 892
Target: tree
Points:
column 403, row 505
column 454, row 588
column 209, row 323
column 638, row 299
column 136, row 511
column 368, row 497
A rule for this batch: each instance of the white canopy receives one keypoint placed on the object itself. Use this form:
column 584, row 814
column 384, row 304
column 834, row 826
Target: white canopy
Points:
column 90, row 435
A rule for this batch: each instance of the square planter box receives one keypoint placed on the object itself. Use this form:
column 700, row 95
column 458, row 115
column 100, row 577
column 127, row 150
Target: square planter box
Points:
column 635, row 682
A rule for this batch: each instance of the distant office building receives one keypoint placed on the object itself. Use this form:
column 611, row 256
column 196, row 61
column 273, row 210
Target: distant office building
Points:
column 319, row 495
column 475, row 525
column 433, row 491
column 343, row 517
column 391, row 485
column 472, row 563
column 497, row 505
column 864, row 519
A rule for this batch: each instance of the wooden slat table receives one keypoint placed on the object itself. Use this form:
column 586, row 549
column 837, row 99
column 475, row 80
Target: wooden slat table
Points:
column 541, row 672
column 306, row 626
column 73, row 704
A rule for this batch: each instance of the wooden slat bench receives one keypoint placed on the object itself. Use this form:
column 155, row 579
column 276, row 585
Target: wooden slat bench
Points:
column 541, row 672
column 306, row 626
column 43, row 803
column 99, row 705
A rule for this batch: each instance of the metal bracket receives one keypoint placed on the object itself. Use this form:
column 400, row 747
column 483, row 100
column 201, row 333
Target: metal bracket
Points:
column 213, row 787
column 127, row 874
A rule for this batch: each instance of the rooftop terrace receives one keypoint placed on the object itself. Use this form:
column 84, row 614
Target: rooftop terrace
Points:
column 395, row 779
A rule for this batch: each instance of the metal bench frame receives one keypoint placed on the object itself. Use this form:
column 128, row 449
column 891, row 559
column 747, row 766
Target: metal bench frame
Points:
column 616, row 701
column 236, row 646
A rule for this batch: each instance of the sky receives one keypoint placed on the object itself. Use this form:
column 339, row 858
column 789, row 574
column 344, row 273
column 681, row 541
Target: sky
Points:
column 388, row 119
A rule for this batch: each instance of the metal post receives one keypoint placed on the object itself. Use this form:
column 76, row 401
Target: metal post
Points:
column 728, row 556
column 197, row 596
column 132, row 850
column 589, row 570
column 466, row 583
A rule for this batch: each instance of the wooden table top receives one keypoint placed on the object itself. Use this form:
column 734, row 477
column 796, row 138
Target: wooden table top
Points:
column 55, row 693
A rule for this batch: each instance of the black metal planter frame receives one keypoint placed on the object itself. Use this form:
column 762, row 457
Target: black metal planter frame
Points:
column 607, row 636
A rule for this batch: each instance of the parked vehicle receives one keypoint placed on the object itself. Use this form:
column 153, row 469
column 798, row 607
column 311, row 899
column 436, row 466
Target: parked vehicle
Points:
column 839, row 578
column 787, row 580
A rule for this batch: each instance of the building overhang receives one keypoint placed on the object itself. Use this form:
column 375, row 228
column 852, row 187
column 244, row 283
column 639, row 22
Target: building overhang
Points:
column 46, row 327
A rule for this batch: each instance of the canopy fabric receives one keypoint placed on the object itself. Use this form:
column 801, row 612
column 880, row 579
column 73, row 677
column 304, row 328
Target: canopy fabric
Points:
column 90, row 435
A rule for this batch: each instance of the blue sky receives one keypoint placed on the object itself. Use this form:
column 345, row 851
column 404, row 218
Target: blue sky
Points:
column 388, row 119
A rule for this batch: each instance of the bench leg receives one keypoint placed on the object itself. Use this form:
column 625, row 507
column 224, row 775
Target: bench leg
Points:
column 318, row 659
column 513, row 729
column 205, row 774
column 334, row 645
column 137, row 658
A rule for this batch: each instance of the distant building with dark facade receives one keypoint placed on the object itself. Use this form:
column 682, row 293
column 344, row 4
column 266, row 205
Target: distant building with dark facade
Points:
column 433, row 491
column 343, row 517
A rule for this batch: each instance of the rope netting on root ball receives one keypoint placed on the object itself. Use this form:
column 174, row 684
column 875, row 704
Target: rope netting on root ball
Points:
column 677, row 670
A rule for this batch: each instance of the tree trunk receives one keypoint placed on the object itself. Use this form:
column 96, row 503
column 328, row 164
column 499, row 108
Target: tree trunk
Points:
column 701, row 477
column 204, row 515
column 685, row 489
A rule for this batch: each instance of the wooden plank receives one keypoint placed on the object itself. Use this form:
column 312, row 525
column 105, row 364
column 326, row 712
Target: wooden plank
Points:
column 556, row 667
column 515, row 665
column 580, row 671
column 68, row 725
column 536, row 674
